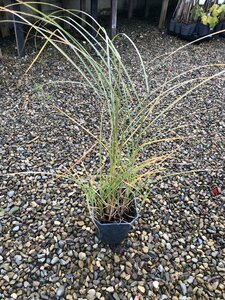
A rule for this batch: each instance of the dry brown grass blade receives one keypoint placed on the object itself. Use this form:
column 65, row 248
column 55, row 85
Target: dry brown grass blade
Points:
column 77, row 162
column 39, row 53
column 81, row 126
column 161, row 140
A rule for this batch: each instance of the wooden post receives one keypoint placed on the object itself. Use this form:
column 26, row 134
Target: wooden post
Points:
column 113, row 18
column 94, row 12
column 4, row 27
column 39, row 6
column 147, row 6
column 163, row 14
column 18, row 28
column 83, row 8
column 130, row 9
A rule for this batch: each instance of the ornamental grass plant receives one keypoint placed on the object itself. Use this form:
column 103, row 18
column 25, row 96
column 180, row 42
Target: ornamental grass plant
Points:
column 124, row 144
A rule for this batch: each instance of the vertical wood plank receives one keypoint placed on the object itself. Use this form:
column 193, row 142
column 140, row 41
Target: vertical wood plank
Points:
column 94, row 12
column 83, row 8
column 113, row 18
column 147, row 7
column 18, row 28
column 4, row 27
column 130, row 9
column 163, row 14
column 39, row 6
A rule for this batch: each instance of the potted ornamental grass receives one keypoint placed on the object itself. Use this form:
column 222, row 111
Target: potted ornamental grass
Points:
column 112, row 192
column 124, row 146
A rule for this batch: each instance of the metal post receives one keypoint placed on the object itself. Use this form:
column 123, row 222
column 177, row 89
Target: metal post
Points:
column 113, row 18
column 163, row 14
column 18, row 28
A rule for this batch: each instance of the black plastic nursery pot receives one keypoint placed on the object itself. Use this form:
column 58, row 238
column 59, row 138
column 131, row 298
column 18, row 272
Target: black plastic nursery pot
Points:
column 171, row 27
column 202, row 30
column 222, row 27
column 115, row 233
column 219, row 27
column 188, row 30
column 177, row 28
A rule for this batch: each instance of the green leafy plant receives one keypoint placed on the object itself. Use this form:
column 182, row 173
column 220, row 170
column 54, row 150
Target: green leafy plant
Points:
column 211, row 17
column 197, row 12
column 221, row 12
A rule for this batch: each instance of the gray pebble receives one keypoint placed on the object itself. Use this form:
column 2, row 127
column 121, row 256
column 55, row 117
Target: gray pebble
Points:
column 168, row 246
column 16, row 228
column 183, row 288
column 190, row 279
column 10, row 194
column 54, row 260
column 60, row 292
column 18, row 259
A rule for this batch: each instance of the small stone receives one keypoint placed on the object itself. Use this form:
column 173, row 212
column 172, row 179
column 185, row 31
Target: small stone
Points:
column 57, row 223
column 190, row 279
column 10, row 195
column 41, row 260
column 145, row 249
column 80, row 223
column 60, row 292
column 14, row 210
column 160, row 268
column 36, row 283
column 212, row 287
column 54, row 260
column 141, row 289
column 26, row 284
column 82, row 256
column 81, row 264
column 168, row 246
column 156, row 284
column 91, row 294
column 16, row 228
column 183, row 288
column 116, row 259
column 61, row 243
column 181, row 240
column 166, row 237
column 215, row 253
column 6, row 278
column 10, row 274
column 18, row 259
column 116, row 296
column 95, row 246
column 64, row 262
column 14, row 295
column 110, row 289
column 34, row 204
column 194, row 260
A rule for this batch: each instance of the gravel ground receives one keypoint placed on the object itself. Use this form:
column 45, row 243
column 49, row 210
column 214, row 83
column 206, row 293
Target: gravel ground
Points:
column 48, row 246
